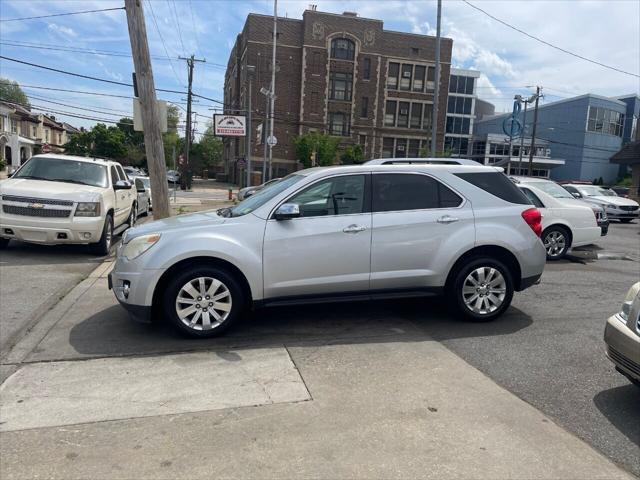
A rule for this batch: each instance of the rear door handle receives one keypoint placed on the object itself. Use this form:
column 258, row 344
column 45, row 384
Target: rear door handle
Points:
column 447, row 219
column 354, row 229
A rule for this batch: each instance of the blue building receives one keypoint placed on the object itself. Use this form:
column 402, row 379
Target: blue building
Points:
column 630, row 131
column 584, row 131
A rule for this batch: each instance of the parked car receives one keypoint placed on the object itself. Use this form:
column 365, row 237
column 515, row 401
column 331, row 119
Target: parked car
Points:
column 144, row 196
column 246, row 192
column 621, row 191
column 132, row 171
column 622, row 336
column 67, row 199
column 173, row 176
column 364, row 231
column 146, row 184
column 566, row 222
column 617, row 208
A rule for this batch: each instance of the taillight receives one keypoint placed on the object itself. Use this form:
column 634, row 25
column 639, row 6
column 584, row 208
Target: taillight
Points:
column 534, row 219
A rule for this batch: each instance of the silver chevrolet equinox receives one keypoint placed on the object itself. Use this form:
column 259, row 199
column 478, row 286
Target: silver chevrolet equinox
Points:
column 347, row 232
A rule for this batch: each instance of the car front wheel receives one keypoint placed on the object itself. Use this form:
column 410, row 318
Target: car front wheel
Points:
column 103, row 247
column 203, row 301
column 556, row 242
column 482, row 289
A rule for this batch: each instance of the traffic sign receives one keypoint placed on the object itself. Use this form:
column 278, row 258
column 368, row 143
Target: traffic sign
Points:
column 272, row 141
column 46, row 148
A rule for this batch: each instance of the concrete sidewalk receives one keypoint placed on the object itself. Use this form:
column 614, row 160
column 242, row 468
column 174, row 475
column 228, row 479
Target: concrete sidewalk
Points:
column 348, row 391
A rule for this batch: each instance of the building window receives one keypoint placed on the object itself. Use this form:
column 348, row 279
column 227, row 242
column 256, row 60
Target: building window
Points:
column 362, row 140
column 387, row 147
column 339, row 124
column 364, row 107
column 392, row 79
column 414, row 148
column 46, row 135
column 405, row 79
column 340, row 85
column 460, row 105
column 401, row 148
column 342, row 49
column 390, row 113
column 458, row 125
column 14, row 127
column 603, row 120
column 460, row 84
column 418, row 79
column 403, row 114
column 34, row 131
column 366, row 69
column 427, row 116
column 416, row 115
column 456, row 145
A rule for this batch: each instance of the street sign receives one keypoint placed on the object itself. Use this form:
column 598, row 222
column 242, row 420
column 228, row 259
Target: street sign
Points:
column 272, row 141
column 137, row 115
column 259, row 135
column 46, row 148
column 230, row 125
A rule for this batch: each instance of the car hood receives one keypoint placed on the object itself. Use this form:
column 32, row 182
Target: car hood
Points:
column 180, row 222
column 619, row 201
column 24, row 187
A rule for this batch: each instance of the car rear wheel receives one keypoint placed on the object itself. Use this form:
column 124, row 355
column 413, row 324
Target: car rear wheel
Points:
column 482, row 289
column 103, row 247
column 133, row 215
column 556, row 242
column 203, row 301
column 4, row 242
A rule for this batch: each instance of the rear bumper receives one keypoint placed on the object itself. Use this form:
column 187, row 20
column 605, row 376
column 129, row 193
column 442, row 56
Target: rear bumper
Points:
column 529, row 282
column 623, row 347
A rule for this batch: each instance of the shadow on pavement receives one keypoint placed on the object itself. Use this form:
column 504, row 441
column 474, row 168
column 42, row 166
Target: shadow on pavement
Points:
column 620, row 406
column 111, row 332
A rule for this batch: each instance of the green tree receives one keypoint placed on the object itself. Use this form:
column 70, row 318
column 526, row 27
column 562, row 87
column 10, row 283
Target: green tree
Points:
column 10, row 91
column 425, row 152
column 324, row 146
column 210, row 147
column 352, row 155
column 100, row 141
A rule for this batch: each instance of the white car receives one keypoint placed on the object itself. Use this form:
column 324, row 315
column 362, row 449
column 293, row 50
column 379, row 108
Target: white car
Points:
column 618, row 208
column 143, row 187
column 55, row 199
column 566, row 222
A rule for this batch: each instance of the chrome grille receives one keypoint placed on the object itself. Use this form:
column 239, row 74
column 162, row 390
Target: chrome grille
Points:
column 629, row 208
column 44, row 201
column 36, row 212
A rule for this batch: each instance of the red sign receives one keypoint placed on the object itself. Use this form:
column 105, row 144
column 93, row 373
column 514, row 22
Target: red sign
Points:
column 181, row 159
column 46, row 148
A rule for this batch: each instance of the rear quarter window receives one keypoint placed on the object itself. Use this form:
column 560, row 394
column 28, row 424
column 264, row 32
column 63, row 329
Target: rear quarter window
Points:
column 497, row 184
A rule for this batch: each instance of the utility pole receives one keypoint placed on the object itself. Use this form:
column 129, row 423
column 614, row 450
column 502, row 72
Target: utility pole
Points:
column 524, row 124
column 250, row 69
column 436, row 94
column 273, row 84
column 185, row 174
column 533, row 134
column 265, row 131
column 154, row 148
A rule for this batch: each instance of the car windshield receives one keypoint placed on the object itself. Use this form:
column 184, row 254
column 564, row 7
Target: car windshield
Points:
column 63, row 170
column 551, row 188
column 145, row 182
column 261, row 197
column 593, row 191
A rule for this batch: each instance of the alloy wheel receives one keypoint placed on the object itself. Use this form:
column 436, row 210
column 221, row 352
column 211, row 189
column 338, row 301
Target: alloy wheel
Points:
column 555, row 243
column 133, row 215
column 484, row 290
column 203, row 303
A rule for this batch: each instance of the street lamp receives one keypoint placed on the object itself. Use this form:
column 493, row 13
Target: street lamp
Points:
column 250, row 72
column 265, row 133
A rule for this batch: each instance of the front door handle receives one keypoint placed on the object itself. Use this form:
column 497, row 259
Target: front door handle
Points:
column 447, row 219
column 354, row 229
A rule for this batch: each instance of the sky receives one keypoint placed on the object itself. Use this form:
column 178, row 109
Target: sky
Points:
column 607, row 31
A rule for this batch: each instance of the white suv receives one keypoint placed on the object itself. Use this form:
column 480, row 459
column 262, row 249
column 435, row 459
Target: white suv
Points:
column 334, row 233
column 67, row 199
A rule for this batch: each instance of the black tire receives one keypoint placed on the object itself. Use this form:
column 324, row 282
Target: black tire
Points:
column 133, row 215
column 146, row 212
column 557, row 241
column 457, row 298
column 626, row 220
column 103, row 247
column 236, row 302
column 4, row 242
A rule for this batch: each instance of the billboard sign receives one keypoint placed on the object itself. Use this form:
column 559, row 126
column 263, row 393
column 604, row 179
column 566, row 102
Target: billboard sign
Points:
column 137, row 115
column 230, row 125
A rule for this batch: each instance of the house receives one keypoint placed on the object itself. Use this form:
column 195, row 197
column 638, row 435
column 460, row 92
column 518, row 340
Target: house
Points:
column 18, row 134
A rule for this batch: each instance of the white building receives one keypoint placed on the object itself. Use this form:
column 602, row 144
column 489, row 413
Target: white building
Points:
column 461, row 105
column 18, row 131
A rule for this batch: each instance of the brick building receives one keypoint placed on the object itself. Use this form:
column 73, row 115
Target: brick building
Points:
column 337, row 74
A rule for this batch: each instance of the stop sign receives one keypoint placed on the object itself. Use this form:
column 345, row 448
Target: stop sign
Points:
column 46, row 148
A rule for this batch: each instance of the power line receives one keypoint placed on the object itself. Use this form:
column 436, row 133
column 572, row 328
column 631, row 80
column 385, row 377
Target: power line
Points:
column 153, row 16
column 40, row 87
column 61, row 14
column 549, row 44
column 120, row 114
column 83, row 76
column 177, row 19
column 195, row 30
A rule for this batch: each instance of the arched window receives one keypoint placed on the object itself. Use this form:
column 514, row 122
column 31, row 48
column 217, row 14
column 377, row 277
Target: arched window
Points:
column 342, row 49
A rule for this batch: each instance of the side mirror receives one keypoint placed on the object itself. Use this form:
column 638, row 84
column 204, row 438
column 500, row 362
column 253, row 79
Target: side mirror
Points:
column 287, row 211
column 122, row 185
column 576, row 194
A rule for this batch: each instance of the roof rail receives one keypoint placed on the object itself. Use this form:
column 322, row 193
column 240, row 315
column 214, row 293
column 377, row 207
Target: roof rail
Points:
column 423, row 161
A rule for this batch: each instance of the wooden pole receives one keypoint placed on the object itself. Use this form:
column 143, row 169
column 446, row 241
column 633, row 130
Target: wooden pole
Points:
column 154, row 147
column 533, row 134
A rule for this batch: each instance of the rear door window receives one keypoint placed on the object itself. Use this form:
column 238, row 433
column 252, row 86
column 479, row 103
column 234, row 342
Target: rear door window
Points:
column 535, row 200
column 398, row 191
column 114, row 175
column 497, row 184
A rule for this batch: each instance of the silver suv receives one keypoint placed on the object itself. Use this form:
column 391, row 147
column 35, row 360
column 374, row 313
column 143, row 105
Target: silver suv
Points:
column 339, row 232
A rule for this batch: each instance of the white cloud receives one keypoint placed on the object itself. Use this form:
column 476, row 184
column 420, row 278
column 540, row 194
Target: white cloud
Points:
column 62, row 30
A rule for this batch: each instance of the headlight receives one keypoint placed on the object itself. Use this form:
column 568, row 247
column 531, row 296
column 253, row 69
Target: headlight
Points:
column 136, row 247
column 88, row 209
column 628, row 301
column 611, row 206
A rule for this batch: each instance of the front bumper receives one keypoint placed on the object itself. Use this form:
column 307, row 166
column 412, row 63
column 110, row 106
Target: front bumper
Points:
column 52, row 231
column 623, row 347
column 618, row 213
column 139, row 313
